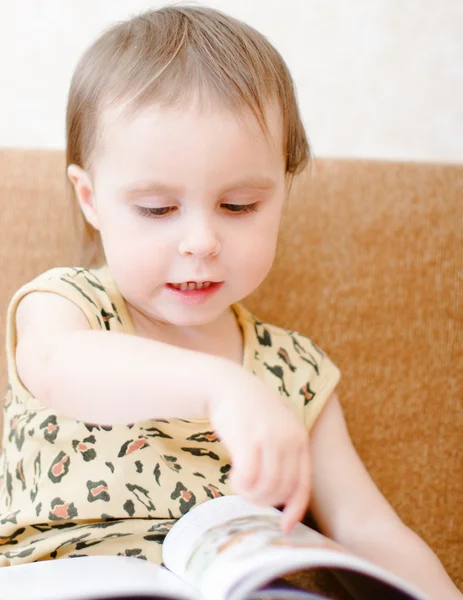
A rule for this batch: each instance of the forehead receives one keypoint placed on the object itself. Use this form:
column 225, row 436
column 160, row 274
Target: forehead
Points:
column 190, row 138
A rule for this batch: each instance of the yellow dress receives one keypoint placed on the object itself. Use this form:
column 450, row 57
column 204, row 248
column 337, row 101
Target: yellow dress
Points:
column 69, row 488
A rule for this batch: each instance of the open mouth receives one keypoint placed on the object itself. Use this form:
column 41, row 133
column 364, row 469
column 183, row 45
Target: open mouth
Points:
column 190, row 286
column 193, row 293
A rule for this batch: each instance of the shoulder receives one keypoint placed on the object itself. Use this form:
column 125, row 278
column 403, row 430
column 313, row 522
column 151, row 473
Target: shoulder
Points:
column 90, row 290
column 303, row 372
column 57, row 301
column 271, row 339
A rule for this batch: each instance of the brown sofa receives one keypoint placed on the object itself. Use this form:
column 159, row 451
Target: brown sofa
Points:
column 370, row 265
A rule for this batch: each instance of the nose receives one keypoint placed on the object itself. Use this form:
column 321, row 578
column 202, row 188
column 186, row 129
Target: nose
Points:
column 200, row 240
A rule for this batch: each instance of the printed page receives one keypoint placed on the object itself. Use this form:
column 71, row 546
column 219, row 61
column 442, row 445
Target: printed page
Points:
column 229, row 548
column 184, row 535
column 95, row 577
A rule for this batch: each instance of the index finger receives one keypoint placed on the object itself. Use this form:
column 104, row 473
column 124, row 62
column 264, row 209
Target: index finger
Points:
column 298, row 501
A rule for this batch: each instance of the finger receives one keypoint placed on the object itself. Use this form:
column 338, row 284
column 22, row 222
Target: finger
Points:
column 246, row 465
column 289, row 478
column 266, row 487
column 297, row 503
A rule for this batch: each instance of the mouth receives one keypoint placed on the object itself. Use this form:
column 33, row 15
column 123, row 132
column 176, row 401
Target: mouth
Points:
column 193, row 293
column 190, row 286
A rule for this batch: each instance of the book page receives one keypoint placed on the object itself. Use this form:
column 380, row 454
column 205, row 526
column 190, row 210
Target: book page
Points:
column 237, row 556
column 184, row 535
column 95, row 577
column 229, row 548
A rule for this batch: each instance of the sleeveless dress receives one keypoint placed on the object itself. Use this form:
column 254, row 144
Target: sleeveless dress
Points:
column 69, row 488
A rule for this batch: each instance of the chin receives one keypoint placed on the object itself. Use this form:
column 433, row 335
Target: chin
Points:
column 191, row 316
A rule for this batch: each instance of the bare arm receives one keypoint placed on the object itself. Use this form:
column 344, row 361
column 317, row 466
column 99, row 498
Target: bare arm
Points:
column 114, row 378
column 107, row 377
column 348, row 507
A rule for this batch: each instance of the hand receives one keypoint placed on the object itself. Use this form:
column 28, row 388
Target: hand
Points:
column 268, row 444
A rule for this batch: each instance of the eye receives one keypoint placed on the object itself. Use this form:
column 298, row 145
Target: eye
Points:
column 145, row 211
column 241, row 208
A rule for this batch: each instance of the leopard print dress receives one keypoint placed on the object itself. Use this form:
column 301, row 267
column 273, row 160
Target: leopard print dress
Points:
column 70, row 489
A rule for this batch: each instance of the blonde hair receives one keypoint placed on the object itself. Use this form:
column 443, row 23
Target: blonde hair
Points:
column 170, row 56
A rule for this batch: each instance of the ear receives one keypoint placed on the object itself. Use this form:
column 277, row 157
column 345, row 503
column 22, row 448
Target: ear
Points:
column 82, row 183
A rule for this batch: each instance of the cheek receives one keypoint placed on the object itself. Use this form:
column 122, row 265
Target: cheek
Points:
column 126, row 233
column 134, row 253
column 256, row 251
column 118, row 223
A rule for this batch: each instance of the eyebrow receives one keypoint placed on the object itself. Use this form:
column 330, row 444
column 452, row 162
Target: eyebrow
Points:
column 257, row 182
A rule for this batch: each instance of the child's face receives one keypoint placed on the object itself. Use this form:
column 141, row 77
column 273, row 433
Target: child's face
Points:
column 192, row 165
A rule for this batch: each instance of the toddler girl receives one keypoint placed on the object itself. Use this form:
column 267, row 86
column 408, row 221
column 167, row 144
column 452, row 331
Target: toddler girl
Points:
column 143, row 387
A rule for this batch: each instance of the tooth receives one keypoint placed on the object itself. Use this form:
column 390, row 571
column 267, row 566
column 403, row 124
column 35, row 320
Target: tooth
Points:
column 192, row 285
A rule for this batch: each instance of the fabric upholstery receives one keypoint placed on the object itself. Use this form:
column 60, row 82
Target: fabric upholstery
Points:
column 370, row 266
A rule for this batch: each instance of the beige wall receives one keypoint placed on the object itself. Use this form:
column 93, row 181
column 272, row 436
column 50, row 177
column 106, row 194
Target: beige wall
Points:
column 375, row 78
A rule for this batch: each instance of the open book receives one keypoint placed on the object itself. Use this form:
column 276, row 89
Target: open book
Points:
column 224, row 549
